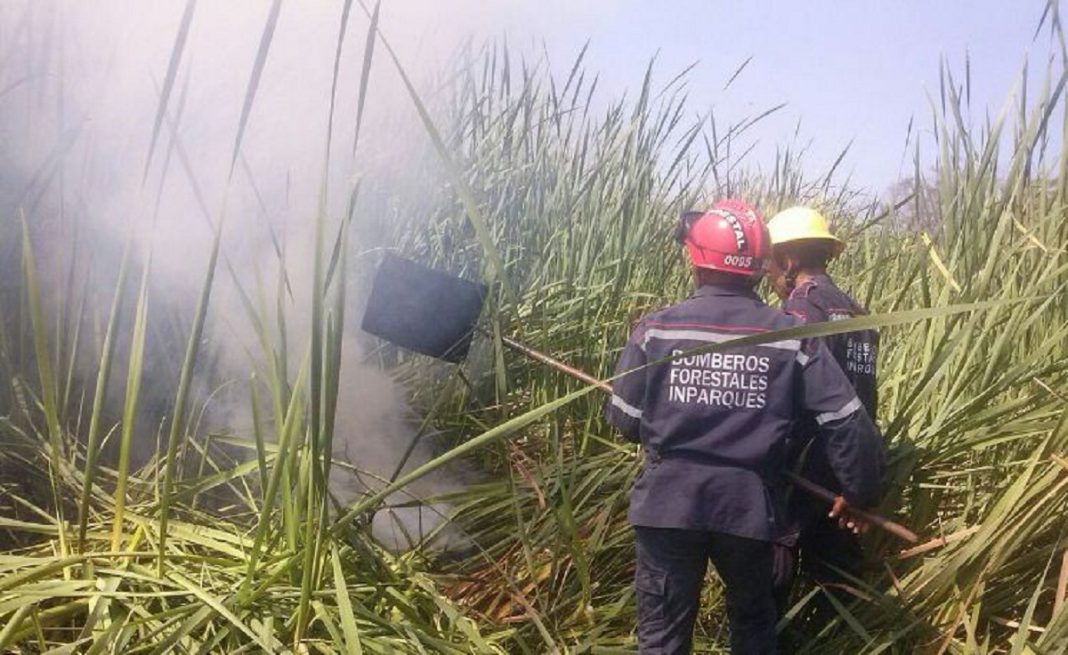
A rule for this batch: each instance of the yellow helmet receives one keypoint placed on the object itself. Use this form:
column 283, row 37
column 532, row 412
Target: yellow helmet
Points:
column 801, row 223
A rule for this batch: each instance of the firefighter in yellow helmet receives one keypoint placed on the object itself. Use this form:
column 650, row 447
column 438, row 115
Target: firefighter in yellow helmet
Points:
column 822, row 544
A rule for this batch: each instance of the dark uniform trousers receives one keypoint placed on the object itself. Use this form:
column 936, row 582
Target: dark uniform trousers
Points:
column 824, row 552
column 714, row 426
column 667, row 581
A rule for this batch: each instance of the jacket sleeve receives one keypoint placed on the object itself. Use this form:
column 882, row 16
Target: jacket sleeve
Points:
column 624, row 409
column 852, row 442
column 803, row 308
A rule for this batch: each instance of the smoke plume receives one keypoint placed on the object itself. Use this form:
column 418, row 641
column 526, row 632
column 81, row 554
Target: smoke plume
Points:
column 80, row 96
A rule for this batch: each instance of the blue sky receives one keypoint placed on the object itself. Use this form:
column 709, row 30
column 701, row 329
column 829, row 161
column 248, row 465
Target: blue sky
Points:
column 847, row 70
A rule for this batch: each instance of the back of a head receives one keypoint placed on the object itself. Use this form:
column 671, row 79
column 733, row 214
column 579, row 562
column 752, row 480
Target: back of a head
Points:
column 806, row 254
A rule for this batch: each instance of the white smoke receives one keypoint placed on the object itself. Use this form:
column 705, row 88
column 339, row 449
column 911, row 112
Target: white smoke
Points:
column 80, row 87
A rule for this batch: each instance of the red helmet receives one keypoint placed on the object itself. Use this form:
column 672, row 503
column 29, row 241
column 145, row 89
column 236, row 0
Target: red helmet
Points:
column 730, row 237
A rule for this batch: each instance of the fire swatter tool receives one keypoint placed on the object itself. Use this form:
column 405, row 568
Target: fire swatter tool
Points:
column 436, row 314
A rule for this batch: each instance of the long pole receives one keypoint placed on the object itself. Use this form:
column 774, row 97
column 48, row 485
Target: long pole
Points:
column 811, row 488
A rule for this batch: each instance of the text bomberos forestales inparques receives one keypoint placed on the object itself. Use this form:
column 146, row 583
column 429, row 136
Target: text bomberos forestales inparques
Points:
column 719, row 379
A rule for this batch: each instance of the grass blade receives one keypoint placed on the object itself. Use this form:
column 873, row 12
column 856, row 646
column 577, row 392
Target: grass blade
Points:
column 168, row 80
column 107, row 355
column 129, row 412
column 47, row 381
column 178, row 414
column 254, row 79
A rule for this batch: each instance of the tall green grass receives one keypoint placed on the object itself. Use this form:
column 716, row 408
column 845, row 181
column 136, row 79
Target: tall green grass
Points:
column 566, row 205
column 581, row 203
column 196, row 551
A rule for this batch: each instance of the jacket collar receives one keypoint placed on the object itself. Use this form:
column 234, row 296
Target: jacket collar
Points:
column 736, row 290
column 821, row 280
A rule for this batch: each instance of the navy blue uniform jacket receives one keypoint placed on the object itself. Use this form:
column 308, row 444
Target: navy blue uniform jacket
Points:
column 714, row 425
column 817, row 300
column 814, row 301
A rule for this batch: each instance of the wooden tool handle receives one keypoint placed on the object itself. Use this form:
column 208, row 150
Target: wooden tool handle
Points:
column 816, row 490
column 801, row 483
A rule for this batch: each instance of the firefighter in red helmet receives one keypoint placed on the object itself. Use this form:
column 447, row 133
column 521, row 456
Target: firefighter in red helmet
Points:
column 713, row 427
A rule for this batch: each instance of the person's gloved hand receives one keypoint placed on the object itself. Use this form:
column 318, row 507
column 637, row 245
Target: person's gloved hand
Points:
column 846, row 519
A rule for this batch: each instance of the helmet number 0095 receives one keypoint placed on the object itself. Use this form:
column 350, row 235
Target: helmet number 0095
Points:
column 741, row 261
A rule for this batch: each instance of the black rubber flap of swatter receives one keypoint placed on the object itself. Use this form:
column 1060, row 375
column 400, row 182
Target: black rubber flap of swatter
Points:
column 423, row 309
